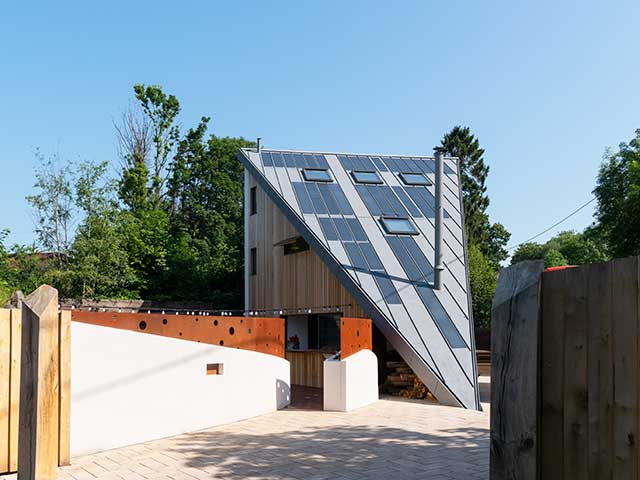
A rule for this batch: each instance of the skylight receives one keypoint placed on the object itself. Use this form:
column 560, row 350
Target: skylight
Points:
column 414, row 179
column 316, row 175
column 366, row 177
column 398, row 226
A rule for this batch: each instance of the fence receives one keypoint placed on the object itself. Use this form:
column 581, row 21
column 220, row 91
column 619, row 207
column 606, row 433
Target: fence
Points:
column 566, row 372
column 34, row 385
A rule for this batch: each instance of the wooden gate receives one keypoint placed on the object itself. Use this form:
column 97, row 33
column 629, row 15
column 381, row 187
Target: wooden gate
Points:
column 566, row 373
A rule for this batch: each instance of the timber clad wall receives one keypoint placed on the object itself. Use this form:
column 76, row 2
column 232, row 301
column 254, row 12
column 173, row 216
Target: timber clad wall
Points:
column 584, row 421
column 296, row 281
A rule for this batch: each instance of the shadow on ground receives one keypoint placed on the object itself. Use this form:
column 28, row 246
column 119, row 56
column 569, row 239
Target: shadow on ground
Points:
column 372, row 452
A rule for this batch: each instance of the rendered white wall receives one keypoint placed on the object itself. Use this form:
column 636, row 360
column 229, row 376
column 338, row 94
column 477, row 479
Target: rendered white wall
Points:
column 351, row 383
column 128, row 387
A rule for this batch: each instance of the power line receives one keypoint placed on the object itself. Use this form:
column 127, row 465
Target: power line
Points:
column 584, row 205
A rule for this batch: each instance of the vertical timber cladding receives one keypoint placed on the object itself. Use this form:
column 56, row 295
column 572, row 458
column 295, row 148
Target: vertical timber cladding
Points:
column 289, row 282
column 590, row 372
column 260, row 334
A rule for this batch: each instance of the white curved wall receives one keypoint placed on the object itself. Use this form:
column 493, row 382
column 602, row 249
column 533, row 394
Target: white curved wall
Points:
column 128, row 387
column 351, row 383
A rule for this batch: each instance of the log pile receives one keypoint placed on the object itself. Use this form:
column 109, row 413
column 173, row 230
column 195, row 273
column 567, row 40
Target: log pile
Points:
column 402, row 382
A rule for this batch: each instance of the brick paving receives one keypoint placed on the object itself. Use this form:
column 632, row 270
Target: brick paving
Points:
column 391, row 439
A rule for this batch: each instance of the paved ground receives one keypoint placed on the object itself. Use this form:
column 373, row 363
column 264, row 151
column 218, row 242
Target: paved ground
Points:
column 391, row 439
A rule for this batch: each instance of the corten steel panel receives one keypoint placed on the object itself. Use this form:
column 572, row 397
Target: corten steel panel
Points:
column 259, row 334
column 355, row 335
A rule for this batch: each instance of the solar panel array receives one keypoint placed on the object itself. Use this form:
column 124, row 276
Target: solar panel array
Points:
column 395, row 272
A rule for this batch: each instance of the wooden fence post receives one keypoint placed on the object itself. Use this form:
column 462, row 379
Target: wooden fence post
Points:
column 515, row 333
column 39, row 386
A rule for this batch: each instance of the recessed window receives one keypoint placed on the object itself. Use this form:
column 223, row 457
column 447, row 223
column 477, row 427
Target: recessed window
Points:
column 253, row 265
column 253, row 202
column 366, row 177
column 215, row 368
column 414, row 179
column 316, row 175
column 297, row 246
column 398, row 226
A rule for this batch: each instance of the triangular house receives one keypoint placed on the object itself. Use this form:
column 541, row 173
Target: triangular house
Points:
column 354, row 235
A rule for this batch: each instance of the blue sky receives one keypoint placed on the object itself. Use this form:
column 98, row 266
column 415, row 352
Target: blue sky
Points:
column 546, row 87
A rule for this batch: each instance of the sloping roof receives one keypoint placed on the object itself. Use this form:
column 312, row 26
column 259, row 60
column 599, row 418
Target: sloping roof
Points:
column 389, row 275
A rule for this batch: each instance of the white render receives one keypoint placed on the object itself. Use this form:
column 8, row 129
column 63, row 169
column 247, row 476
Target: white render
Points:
column 351, row 383
column 128, row 387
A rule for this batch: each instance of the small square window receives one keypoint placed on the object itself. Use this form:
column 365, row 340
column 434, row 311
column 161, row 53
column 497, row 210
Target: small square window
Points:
column 414, row 179
column 253, row 202
column 316, row 175
column 366, row 177
column 253, row 265
column 399, row 226
column 296, row 246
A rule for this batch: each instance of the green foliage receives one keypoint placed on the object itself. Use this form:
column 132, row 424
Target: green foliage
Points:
column 618, row 195
column 483, row 277
column 566, row 248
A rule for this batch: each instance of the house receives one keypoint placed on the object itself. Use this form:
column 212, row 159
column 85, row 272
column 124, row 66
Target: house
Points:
column 331, row 235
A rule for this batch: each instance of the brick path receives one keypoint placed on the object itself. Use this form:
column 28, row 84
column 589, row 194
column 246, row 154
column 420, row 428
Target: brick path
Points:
column 391, row 439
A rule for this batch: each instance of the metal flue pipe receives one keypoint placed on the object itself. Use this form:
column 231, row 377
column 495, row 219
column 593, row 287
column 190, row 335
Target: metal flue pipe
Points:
column 259, row 145
column 438, row 265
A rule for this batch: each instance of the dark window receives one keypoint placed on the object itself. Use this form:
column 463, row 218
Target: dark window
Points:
column 399, row 226
column 298, row 245
column 366, row 177
column 414, row 179
column 324, row 332
column 253, row 265
column 253, row 202
column 316, row 175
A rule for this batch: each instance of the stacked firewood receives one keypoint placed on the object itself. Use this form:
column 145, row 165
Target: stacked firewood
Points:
column 402, row 382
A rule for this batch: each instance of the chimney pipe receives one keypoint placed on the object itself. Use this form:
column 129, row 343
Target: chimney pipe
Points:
column 438, row 266
column 259, row 144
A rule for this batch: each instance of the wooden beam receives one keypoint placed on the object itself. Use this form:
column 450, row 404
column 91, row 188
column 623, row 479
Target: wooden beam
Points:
column 5, row 387
column 14, row 403
column 514, row 372
column 64, row 385
column 39, row 384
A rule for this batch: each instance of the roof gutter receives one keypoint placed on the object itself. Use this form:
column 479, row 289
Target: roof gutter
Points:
column 439, row 266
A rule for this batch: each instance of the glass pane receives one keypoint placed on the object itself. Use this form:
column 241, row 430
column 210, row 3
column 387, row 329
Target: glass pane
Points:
column 341, row 199
column 368, row 200
column 399, row 226
column 389, row 292
column 316, row 175
column 328, row 199
column 303, row 197
column 371, row 256
column 413, row 210
column 343, row 229
column 414, row 179
column 355, row 255
column 326, row 224
column 366, row 177
column 316, row 198
column 358, row 231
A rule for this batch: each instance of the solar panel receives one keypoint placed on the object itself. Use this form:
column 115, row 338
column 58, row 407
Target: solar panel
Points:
column 358, row 231
column 343, row 229
column 341, row 199
column 267, row 161
column 321, row 161
column 328, row 229
column 372, row 257
column 278, row 161
column 309, row 161
column 419, row 257
column 316, row 175
column 378, row 195
column 368, row 200
column 289, row 160
column 389, row 292
column 345, row 162
column 332, row 206
column 396, row 204
column 316, row 199
column 355, row 255
column 379, row 164
column 398, row 226
column 440, row 316
column 406, row 201
column 367, row 163
column 408, row 264
column 303, row 197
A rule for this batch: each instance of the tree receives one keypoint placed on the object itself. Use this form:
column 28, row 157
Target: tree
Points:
column 566, row 248
column 618, row 195
column 53, row 205
column 483, row 277
column 490, row 238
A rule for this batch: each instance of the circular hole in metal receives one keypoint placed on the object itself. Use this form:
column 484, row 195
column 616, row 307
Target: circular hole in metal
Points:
column 241, row 321
column 232, row 330
column 221, row 343
column 164, row 321
column 196, row 319
column 357, row 333
column 215, row 323
column 180, row 333
column 142, row 325
column 249, row 331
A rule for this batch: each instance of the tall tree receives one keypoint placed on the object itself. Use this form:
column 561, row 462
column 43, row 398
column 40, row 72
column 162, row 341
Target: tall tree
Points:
column 461, row 143
column 566, row 248
column 53, row 205
column 618, row 195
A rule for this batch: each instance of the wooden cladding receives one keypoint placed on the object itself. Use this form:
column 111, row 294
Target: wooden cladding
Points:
column 355, row 335
column 40, row 394
column 259, row 334
column 567, row 376
column 307, row 367
column 300, row 281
